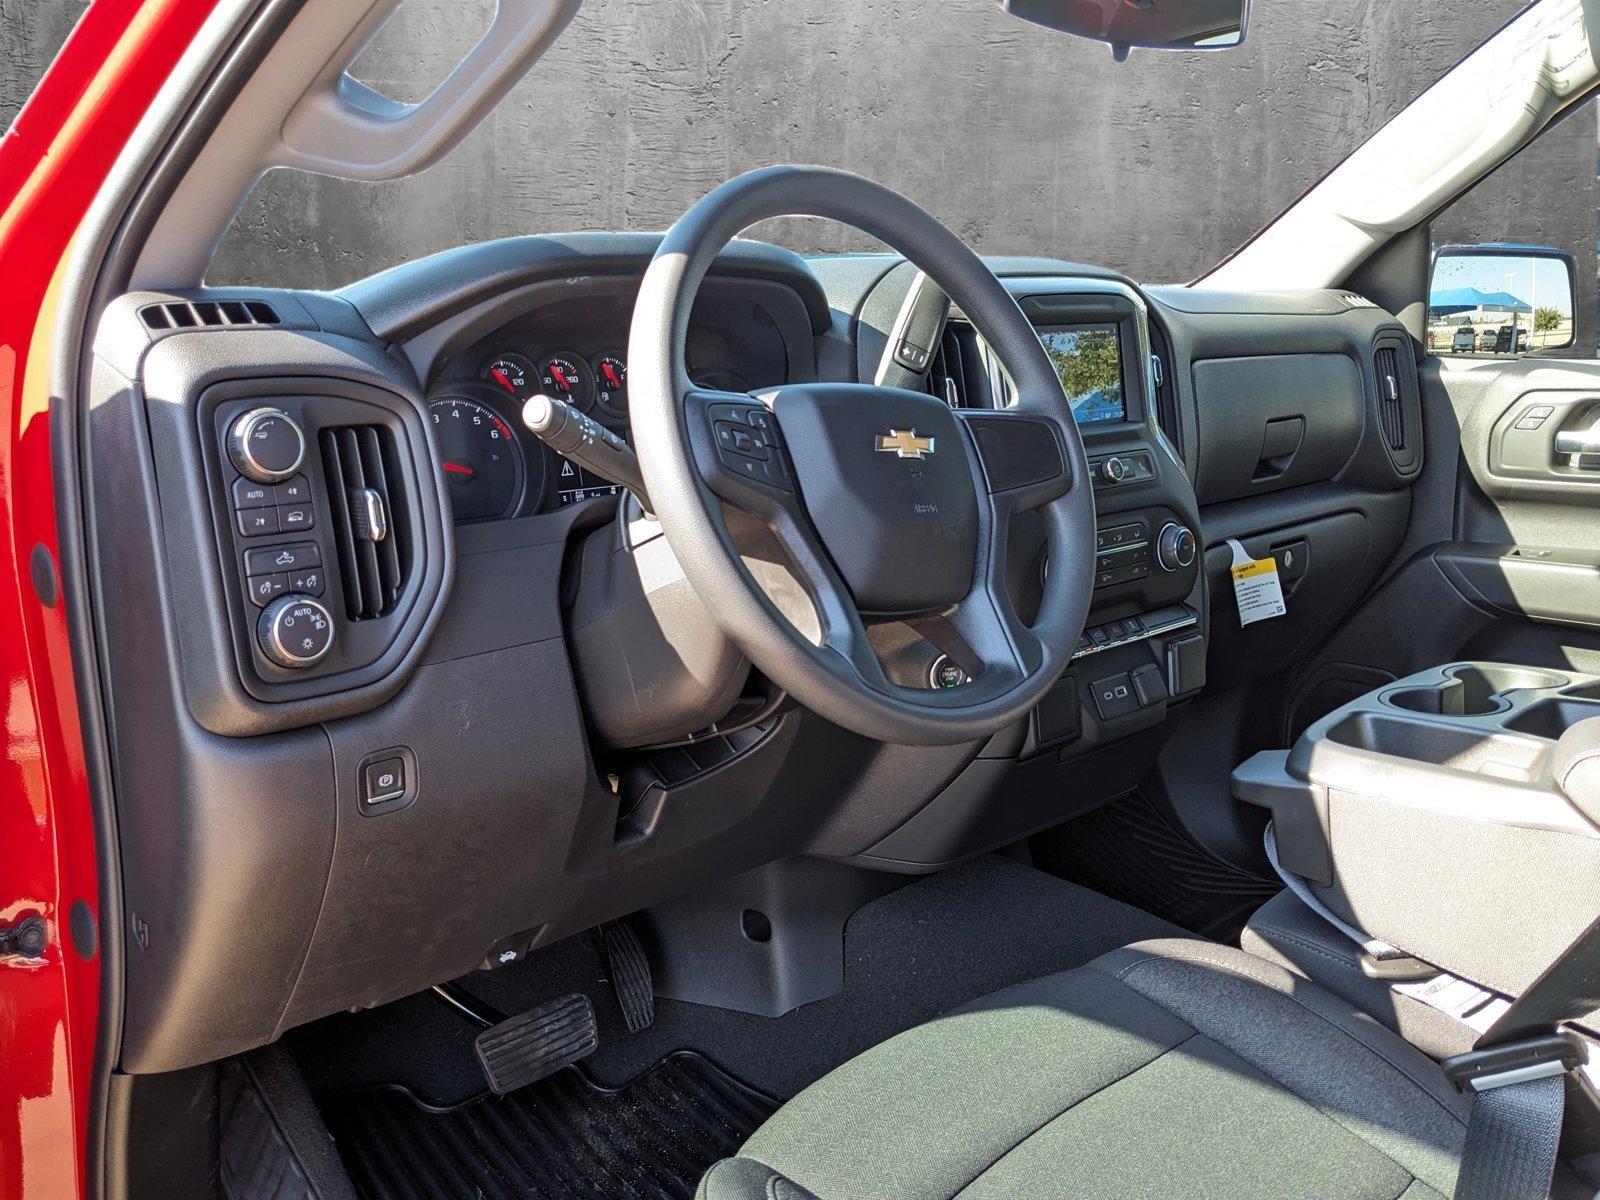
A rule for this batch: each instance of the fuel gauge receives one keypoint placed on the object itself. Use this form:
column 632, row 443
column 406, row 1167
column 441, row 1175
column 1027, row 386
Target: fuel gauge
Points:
column 611, row 384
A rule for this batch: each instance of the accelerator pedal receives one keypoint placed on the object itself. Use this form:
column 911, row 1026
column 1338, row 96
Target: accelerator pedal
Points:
column 630, row 975
column 526, row 1048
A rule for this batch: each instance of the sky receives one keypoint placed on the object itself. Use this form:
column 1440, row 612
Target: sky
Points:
column 1538, row 282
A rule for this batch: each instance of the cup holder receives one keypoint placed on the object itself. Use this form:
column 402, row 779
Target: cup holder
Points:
column 1469, row 691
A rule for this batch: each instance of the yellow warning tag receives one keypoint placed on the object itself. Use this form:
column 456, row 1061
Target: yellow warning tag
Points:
column 1256, row 586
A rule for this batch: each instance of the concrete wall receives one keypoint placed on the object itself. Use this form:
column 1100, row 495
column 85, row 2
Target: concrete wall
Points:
column 1022, row 140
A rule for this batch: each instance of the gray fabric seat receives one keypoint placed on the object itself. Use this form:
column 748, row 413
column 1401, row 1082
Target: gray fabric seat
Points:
column 1167, row 1068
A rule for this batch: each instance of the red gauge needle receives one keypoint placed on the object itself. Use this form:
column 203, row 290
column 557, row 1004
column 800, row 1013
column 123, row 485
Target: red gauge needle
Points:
column 560, row 378
column 610, row 373
column 460, row 468
column 503, row 380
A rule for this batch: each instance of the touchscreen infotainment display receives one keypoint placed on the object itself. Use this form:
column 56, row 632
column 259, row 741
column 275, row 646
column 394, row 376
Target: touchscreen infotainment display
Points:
column 1088, row 359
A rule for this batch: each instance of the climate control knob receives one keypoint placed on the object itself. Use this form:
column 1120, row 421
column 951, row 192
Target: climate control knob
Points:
column 266, row 445
column 295, row 631
column 1113, row 470
column 1175, row 547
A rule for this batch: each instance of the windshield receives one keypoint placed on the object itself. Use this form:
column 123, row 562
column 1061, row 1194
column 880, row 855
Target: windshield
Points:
column 1022, row 140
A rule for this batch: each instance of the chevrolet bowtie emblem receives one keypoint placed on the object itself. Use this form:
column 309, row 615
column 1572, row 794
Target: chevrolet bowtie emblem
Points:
column 905, row 443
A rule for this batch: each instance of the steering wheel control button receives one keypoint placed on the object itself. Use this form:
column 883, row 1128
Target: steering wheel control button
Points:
column 282, row 558
column 295, row 631
column 1115, row 696
column 258, row 522
column 383, row 780
column 1175, row 547
column 247, row 493
column 266, row 445
column 742, row 440
column 263, row 589
column 912, row 356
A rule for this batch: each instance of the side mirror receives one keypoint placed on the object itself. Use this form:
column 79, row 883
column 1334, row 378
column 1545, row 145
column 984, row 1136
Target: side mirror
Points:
column 1501, row 298
column 1154, row 24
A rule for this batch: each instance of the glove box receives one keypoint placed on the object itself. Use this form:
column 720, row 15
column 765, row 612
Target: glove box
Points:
column 1427, row 814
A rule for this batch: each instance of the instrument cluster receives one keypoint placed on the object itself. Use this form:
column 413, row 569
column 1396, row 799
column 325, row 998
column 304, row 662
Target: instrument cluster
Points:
column 573, row 351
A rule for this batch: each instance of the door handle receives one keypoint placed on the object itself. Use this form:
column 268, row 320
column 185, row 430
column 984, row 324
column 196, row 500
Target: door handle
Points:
column 1579, row 441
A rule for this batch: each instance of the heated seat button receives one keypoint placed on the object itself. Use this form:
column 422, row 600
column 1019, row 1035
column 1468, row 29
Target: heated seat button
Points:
column 383, row 780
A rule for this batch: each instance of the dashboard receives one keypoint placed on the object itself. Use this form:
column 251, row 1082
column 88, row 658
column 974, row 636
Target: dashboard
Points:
column 573, row 349
column 443, row 757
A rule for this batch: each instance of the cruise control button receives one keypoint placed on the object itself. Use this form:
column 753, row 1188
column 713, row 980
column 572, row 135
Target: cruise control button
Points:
column 247, row 493
column 294, row 517
column 293, row 491
column 258, row 522
column 263, row 589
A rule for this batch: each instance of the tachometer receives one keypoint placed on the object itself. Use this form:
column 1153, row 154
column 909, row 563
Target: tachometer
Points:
column 482, row 460
column 511, row 373
column 566, row 377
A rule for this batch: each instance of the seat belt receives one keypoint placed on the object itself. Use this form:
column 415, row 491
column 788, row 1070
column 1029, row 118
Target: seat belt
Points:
column 1517, row 1073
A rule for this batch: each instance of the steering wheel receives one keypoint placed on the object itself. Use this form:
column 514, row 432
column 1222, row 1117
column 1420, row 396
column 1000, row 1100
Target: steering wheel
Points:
column 887, row 502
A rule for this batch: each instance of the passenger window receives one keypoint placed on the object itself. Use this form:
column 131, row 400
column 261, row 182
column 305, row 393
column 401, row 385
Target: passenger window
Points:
column 1514, row 268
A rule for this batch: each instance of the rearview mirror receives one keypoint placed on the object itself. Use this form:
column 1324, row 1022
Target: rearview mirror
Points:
column 1500, row 298
column 1154, row 24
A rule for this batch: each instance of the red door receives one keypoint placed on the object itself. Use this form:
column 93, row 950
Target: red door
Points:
column 53, row 161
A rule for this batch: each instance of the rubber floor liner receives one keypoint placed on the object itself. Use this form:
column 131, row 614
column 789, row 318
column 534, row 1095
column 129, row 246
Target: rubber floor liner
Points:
column 562, row 1137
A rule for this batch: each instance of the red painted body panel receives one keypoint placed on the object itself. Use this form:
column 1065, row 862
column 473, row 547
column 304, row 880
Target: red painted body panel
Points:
column 52, row 163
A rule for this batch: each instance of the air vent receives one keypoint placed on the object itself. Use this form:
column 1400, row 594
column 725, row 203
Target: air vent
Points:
column 956, row 374
column 1355, row 300
column 1391, row 399
column 368, row 516
column 207, row 314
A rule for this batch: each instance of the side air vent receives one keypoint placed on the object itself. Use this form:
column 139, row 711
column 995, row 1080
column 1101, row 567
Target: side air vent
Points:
column 1356, row 300
column 367, row 514
column 1391, row 403
column 956, row 374
column 207, row 314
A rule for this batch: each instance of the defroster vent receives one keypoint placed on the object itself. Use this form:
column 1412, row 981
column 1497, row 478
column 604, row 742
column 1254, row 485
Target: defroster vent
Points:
column 367, row 512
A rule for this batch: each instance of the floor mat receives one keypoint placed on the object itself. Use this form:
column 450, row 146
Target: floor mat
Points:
column 1129, row 851
column 563, row 1137
column 909, row 956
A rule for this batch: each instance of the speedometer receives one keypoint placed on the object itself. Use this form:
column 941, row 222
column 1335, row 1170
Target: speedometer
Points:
column 483, row 462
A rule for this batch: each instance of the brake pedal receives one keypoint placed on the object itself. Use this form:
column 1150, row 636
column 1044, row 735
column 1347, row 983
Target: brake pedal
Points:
column 630, row 975
column 526, row 1048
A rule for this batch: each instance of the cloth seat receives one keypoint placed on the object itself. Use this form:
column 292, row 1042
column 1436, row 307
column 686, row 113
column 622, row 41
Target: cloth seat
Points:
column 1167, row 1068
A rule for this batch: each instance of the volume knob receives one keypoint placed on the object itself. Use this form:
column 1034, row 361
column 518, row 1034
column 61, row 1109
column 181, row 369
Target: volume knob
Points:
column 266, row 445
column 295, row 631
column 1113, row 470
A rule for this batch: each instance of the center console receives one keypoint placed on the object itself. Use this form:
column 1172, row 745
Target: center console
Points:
column 1445, row 814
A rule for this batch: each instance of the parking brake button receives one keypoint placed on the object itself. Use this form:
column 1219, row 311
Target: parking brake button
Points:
column 383, row 780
